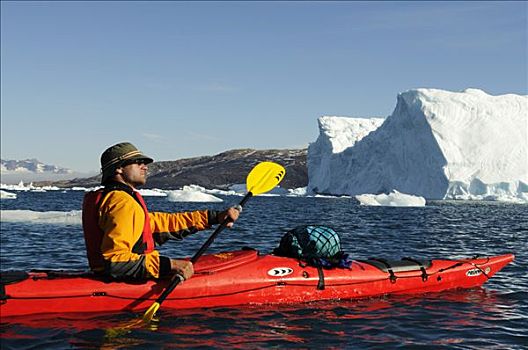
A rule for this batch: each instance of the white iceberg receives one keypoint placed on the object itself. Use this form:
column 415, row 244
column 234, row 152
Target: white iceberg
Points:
column 325, row 155
column 393, row 199
column 38, row 190
column 24, row 188
column 47, row 217
column 191, row 194
column 297, row 192
column 152, row 192
column 19, row 187
column 436, row 144
column 7, row 195
column 238, row 188
column 241, row 189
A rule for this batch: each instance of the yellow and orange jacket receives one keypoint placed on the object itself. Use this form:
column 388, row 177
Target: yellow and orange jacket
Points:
column 118, row 234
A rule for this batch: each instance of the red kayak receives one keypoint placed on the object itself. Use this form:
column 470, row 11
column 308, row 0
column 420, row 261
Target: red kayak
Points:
column 242, row 277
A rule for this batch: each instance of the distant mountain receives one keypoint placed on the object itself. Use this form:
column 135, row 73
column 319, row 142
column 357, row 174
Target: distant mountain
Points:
column 30, row 166
column 32, row 170
column 218, row 171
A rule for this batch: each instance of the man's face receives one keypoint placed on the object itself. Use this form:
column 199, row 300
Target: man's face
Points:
column 135, row 173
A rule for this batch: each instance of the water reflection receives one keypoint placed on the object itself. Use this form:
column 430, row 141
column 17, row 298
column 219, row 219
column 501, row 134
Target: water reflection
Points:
column 389, row 320
column 490, row 317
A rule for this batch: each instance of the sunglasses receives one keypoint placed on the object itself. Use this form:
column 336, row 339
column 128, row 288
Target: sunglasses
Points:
column 135, row 161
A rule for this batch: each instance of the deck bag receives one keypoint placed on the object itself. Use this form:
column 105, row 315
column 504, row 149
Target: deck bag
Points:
column 314, row 245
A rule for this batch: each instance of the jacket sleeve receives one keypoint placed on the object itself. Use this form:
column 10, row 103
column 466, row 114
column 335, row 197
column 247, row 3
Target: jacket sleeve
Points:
column 177, row 226
column 122, row 219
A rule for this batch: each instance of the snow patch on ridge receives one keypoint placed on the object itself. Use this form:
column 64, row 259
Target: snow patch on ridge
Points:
column 436, row 144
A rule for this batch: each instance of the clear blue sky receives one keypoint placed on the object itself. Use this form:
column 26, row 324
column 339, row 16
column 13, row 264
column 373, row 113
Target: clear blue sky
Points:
column 182, row 79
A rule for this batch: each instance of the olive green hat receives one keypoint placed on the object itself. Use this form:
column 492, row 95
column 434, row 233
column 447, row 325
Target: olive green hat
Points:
column 114, row 157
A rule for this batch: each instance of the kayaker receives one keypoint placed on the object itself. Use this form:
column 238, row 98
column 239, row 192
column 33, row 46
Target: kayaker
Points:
column 120, row 233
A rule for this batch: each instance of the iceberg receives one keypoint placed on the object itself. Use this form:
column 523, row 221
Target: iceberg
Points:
column 152, row 192
column 191, row 194
column 325, row 155
column 22, row 187
column 7, row 195
column 19, row 187
column 73, row 217
column 436, row 144
column 393, row 199
column 297, row 192
column 241, row 189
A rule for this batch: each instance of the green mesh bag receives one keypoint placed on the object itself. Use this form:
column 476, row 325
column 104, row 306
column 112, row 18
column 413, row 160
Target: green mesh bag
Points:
column 314, row 244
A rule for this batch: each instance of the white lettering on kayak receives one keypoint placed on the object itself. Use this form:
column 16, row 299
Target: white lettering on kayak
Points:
column 280, row 271
column 474, row 272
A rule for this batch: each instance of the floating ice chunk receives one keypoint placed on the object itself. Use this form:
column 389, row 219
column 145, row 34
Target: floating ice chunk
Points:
column 213, row 191
column 222, row 192
column 297, row 192
column 393, row 199
column 242, row 189
column 7, row 195
column 40, row 190
column 152, row 193
column 191, row 194
column 47, row 217
column 238, row 188
column 22, row 187
column 19, row 187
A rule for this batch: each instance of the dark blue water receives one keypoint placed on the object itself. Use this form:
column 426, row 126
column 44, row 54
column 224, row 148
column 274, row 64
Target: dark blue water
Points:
column 494, row 316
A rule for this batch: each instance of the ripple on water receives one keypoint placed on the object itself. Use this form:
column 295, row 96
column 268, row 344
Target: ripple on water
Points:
column 490, row 317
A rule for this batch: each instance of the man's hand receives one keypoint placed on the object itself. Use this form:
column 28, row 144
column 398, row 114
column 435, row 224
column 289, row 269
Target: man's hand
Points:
column 183, row 268
column 230, row 214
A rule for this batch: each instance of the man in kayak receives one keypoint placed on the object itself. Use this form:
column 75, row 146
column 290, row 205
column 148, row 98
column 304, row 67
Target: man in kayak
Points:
column 120, row 233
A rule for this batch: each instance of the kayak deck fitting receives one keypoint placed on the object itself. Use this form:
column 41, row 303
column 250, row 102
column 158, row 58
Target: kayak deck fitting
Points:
column 238, row 278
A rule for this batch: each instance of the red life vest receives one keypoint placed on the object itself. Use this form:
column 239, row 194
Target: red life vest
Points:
column 93, row 234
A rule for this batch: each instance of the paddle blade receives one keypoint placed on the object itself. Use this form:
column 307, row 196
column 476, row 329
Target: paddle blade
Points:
column 149, row 314
column 264, row 177
column 138, row 323
column 123, row 329
column 144, row 322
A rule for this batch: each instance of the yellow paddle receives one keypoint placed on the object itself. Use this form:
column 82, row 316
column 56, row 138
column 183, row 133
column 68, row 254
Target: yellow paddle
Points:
column 262, row 178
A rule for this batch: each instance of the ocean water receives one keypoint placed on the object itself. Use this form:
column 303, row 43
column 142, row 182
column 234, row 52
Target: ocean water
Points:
column 494, row 316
